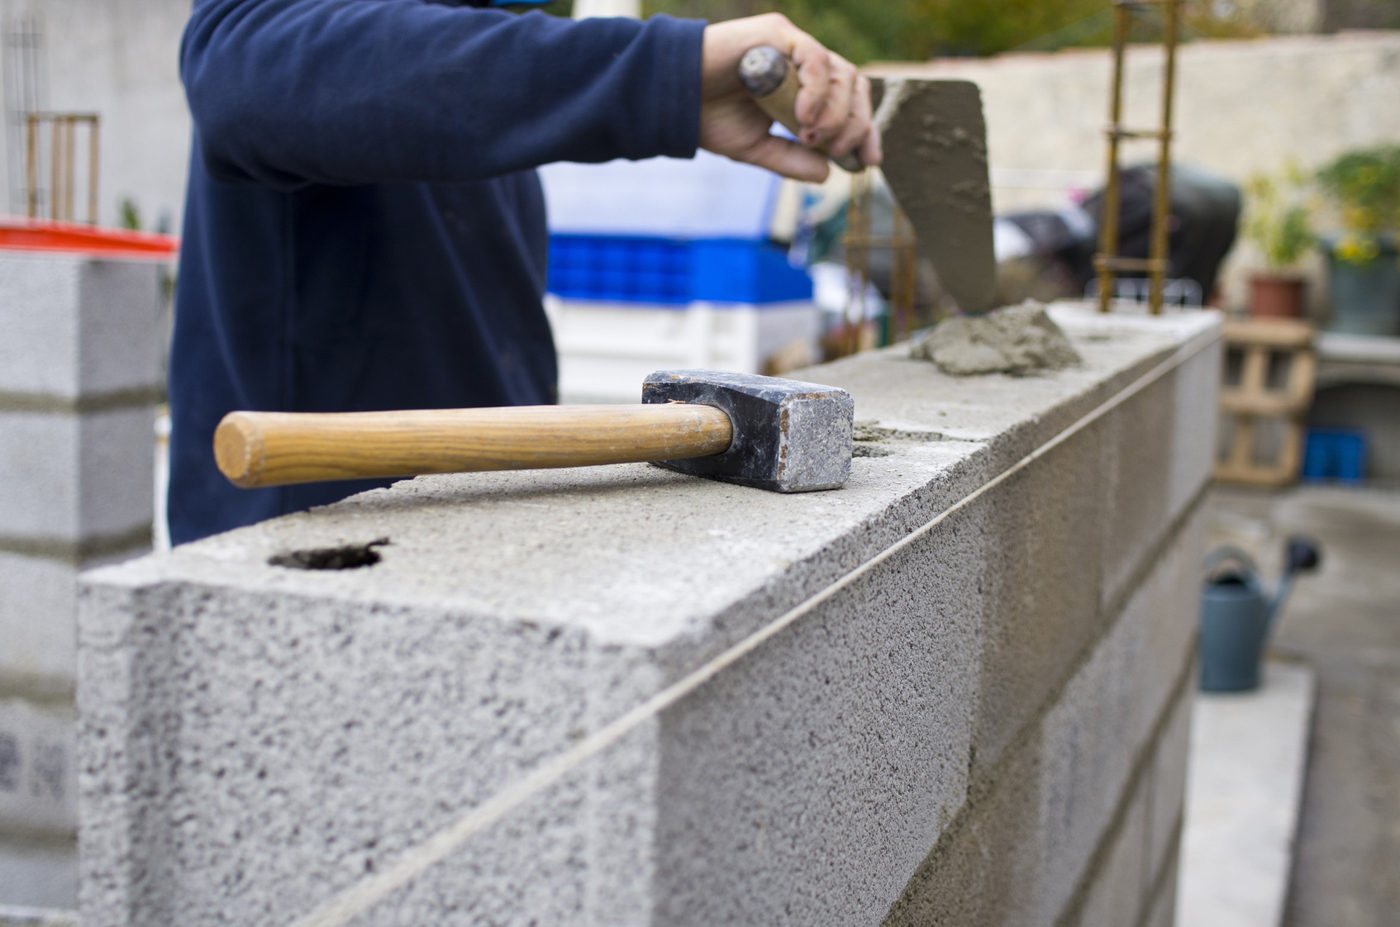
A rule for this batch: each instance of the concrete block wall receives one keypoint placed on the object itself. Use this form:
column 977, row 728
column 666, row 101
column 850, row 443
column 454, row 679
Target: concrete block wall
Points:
column 986, row 724
column 78, row 387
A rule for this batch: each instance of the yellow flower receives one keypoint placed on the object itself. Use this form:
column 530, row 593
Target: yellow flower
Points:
column 1357, row 249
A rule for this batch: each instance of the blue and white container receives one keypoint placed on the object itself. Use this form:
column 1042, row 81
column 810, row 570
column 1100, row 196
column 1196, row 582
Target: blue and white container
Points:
column 666, row 263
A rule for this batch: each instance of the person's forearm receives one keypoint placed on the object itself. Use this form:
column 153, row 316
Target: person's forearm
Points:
column 290, row 92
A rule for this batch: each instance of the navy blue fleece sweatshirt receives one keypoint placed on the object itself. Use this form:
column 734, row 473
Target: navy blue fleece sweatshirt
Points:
column 364, row 229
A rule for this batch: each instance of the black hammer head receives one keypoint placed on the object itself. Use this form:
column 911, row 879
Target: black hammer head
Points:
column 789, row 436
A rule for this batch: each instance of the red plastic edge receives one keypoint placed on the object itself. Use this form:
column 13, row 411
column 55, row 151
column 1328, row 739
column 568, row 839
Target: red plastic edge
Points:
column 20, row 233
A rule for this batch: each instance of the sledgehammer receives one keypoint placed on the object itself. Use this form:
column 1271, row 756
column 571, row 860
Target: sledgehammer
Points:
column 775, row 434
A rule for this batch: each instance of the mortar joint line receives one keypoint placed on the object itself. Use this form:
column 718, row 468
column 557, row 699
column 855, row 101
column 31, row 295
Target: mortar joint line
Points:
column 1143, row 763
column 357, row 898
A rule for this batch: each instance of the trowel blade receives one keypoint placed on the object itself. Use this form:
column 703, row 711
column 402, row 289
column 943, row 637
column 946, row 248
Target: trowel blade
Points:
column 935, row 141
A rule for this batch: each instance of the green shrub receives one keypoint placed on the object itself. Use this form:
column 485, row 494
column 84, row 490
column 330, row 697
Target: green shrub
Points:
column 1278, row 220
column 1364, row 185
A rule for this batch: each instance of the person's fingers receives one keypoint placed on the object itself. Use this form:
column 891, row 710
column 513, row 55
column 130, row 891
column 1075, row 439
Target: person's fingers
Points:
column 852, row 132
column 838, row 109
column 850, row 96
column 786, row 157
column 814, row 69
column 872, row 150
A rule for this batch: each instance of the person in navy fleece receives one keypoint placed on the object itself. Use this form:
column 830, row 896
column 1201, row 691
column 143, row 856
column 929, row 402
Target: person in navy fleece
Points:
column 364, row 229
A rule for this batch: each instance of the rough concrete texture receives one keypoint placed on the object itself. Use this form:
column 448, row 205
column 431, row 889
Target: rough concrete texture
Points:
column 1169, row 788
column 1014, row 339
column 1086, row 783
column 1118, row 894
column 255, row 739
column 37, row 775
column 69, row 479
column 38, row 605
column 79, row 378
column 76, row 326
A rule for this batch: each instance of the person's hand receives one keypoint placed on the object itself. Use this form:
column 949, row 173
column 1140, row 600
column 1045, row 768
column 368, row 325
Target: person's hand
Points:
column 833, row 104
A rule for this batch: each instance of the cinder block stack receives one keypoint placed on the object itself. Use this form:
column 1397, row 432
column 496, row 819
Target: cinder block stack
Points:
column 78, row 386
column 987, row 725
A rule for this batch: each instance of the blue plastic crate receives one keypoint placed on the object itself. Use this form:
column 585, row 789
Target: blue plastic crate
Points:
column 674, row 272
column 1335, row 454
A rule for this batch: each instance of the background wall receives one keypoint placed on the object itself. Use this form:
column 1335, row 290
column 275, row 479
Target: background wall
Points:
column 1243, row 107
column 117, row 58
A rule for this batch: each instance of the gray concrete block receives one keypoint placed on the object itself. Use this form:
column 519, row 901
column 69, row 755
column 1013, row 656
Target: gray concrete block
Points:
column 39, row 314
column 326, row 769
column 77, row 326
column 1169, row 787
column 1158, row 461
column 842, row 746
column 119, row 339
column 1118, row 893
column 118, row 472
column 37, row 771
column 1194, row 427
column 1170, row 602
column 41, row 875
column 255, row 739
column 1163, row 911
column 1042, row 580
column 1087, row 744
column 1136, row 481
column 1109, row 710
column 67, row 478
column 38, row 621
column 986, row 866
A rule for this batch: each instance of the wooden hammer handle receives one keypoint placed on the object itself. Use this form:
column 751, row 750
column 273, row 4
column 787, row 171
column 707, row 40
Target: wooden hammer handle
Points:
column 255, row 449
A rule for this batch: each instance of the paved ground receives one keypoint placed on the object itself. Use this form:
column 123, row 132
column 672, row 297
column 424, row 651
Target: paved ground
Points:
column 1346, row 621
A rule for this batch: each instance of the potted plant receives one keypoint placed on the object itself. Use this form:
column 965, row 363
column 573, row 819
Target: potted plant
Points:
column 1279, row 225
column 1364, row 187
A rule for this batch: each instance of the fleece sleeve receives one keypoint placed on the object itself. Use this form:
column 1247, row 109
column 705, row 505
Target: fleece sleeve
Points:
column 286, row 93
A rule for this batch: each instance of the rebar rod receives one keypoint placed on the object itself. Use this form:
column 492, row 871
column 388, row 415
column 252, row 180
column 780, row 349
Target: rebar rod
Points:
column 93, row 152
column 31, row 192
column 1161, row 208
column 1108, row 221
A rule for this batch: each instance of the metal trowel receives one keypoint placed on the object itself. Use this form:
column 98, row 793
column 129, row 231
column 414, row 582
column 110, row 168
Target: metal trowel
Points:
column 935, row 142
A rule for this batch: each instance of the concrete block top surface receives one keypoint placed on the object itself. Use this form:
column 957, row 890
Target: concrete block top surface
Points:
column 638, row 556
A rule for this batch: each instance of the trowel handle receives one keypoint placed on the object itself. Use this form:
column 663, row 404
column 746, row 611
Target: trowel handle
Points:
column 771, row 79
column 255, row 449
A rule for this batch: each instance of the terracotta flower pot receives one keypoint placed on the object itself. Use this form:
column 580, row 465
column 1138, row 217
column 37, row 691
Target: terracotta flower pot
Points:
column 1276, row 296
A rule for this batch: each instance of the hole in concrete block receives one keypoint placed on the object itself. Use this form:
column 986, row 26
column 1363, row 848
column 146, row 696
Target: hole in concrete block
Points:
column 867, row 450
column 349, row 557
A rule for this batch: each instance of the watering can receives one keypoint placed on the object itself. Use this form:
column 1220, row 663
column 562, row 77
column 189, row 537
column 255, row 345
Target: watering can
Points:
column 1236, row 614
